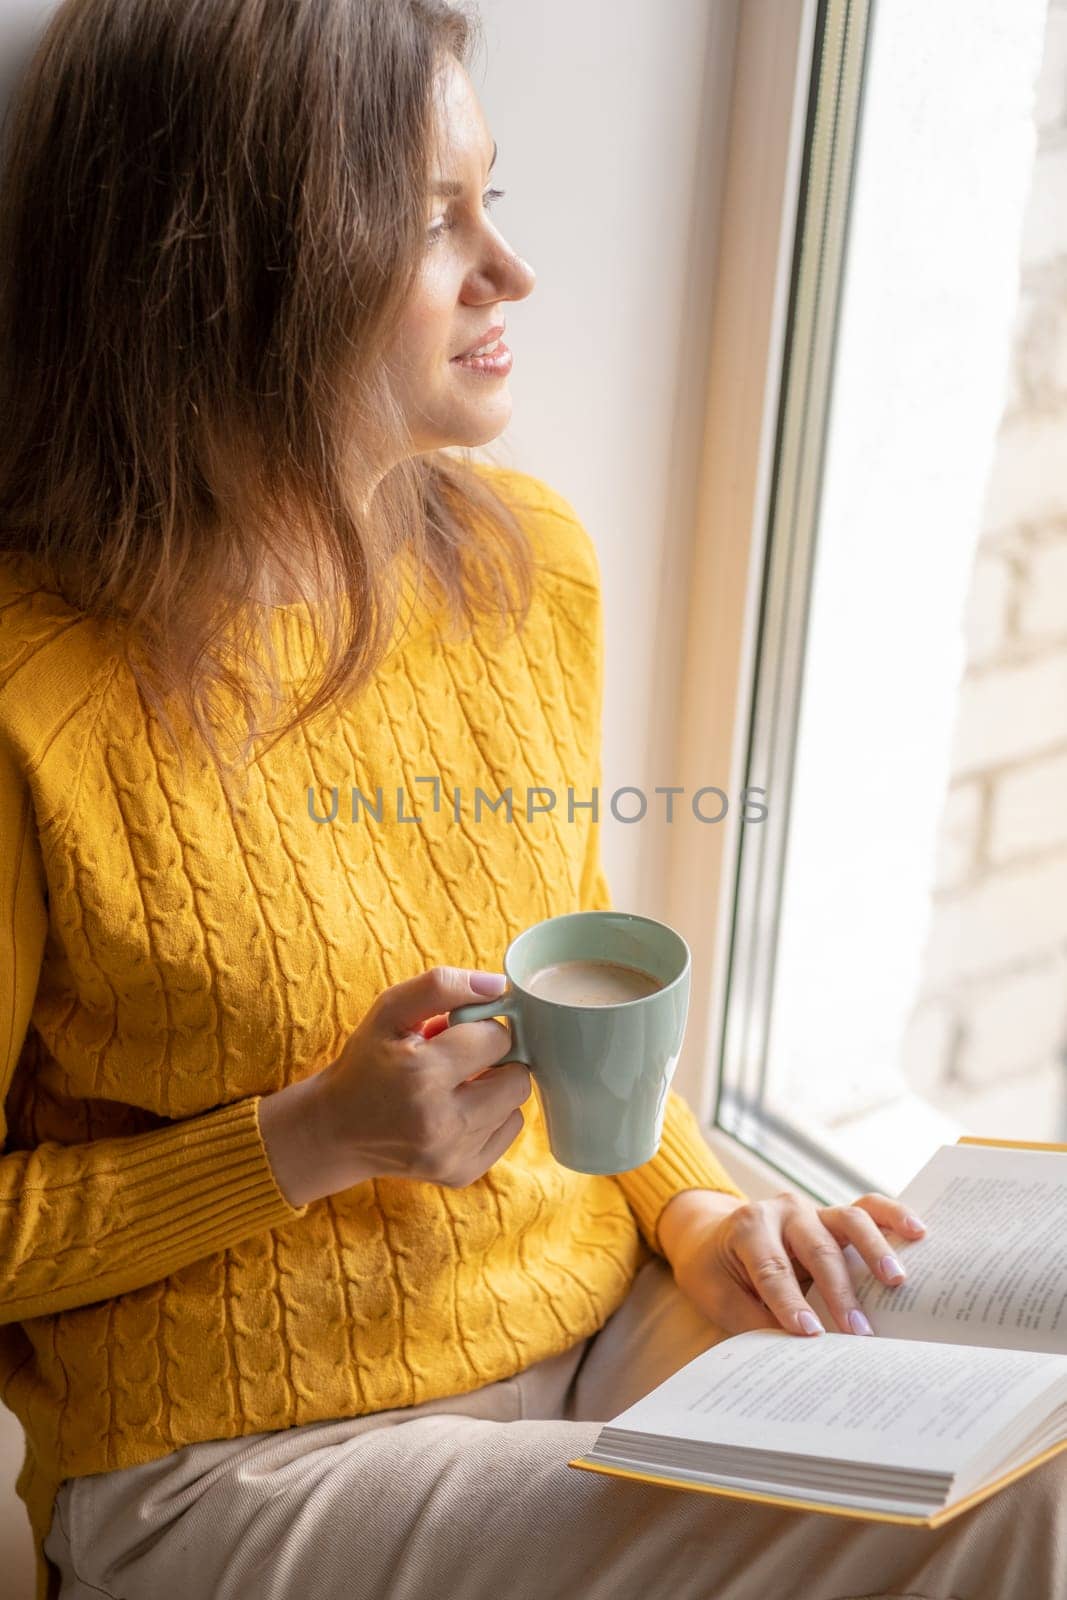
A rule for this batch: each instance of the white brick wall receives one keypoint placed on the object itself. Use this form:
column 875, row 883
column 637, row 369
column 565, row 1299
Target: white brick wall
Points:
column 1045, row 228
column 1028, row 810
column 929, row 1048
column 987, row 1040
column 1041, row 353
column 994, row 1046
column 1011, row 712
column 1027, row 1105
column 959, row 835
column 1042, row 608
column 988, row 606
column 1000, row 923
column 1028, row 483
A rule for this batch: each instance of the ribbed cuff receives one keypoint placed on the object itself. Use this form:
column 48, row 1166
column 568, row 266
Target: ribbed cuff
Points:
column 114, row 1215
column 683, row 1161
column 211, row 1184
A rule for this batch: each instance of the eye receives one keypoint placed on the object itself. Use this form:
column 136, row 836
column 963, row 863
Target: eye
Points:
column 489, row 199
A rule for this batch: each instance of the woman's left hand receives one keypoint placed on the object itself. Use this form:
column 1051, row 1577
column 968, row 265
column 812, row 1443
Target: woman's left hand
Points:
column 751, row 1267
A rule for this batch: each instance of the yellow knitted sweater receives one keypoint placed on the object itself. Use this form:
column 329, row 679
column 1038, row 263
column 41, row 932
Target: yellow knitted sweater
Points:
column 168, row 956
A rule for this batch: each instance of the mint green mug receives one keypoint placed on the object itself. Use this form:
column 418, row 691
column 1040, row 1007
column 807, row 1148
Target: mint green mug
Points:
column 602, row 1071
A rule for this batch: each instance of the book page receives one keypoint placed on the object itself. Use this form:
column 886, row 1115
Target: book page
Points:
column 891, row 1403
column 991, row 1268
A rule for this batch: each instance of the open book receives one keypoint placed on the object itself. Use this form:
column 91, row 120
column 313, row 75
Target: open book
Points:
column 962, row 1389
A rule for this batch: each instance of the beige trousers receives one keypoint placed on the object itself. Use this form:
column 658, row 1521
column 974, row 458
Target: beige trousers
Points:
column 470, row 1498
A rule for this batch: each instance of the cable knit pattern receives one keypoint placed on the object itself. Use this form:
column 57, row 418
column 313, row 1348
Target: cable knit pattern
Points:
column 170, row 953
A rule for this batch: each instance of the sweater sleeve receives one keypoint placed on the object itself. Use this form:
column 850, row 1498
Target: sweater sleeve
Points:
column 684, row 1159
column 84, row 1222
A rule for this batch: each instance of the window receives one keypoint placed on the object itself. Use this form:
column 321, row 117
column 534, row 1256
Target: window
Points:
column 895, row 968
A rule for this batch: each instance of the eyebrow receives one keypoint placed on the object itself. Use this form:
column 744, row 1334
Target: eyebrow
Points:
column 450, row 187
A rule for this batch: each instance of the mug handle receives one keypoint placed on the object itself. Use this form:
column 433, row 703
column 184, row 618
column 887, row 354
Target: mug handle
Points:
column 505, row 1005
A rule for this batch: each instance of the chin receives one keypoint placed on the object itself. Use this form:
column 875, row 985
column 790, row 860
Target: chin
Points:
column 474, row 431
column 465, row 428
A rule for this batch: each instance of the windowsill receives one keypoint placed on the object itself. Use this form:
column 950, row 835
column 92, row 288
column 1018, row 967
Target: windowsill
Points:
column 897, row 1138
column 756, row 1177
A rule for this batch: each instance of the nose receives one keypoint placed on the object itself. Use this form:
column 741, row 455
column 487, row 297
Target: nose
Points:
column 506, row 277
column 525, row 276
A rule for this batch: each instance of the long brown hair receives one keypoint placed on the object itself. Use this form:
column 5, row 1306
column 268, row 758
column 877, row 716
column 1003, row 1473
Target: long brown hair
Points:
column 211, row 212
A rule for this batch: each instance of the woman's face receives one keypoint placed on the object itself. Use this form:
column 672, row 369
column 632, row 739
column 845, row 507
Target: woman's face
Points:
column 468, row 274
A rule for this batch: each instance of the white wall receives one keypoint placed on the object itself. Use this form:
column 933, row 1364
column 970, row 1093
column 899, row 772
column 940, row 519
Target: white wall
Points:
column 610, row 117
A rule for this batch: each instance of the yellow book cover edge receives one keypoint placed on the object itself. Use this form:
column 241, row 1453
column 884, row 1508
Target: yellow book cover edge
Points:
column 933, row 1521
column 1009, row 1144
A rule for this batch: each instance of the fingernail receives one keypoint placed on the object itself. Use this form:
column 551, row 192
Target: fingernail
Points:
column 809, row 1322
column 890, row 1267
column 489, row 983
column 915, row 1224
column 858, row 1322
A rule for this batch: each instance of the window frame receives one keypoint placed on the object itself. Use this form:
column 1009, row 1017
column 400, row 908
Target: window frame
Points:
column 795, row 107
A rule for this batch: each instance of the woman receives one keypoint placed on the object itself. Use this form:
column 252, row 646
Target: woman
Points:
column 258, row 1208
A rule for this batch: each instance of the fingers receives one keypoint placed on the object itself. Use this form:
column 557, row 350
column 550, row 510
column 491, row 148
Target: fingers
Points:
column 462, row 1052
column 495, row 1093
column 405, row 1006
column 438, row 1025
column 501, row 1139
column 763, row 1255
column 739, row 1310
column 764, row 1235
column 892, row 1214
column 857, row 1226
column 815, row 1245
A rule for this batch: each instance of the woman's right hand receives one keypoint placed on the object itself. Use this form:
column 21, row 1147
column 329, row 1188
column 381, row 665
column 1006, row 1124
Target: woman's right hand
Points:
column 397, row 1104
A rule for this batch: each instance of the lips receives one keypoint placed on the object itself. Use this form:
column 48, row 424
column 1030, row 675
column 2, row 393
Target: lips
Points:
column 489, row 337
